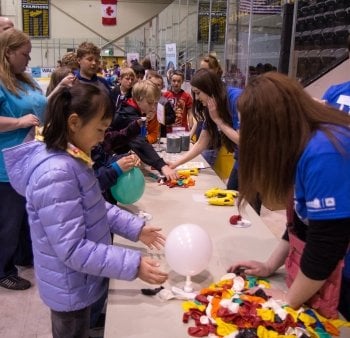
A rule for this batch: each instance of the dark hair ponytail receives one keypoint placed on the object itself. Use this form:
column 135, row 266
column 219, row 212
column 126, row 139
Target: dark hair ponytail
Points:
column 86, row 100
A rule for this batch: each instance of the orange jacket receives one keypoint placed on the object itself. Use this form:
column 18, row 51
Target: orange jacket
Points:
column 152, row 130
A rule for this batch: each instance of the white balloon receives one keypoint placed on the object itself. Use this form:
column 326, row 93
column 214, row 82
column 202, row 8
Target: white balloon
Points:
column 188, row 249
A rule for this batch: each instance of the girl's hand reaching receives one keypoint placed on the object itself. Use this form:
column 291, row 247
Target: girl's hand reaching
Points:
column 149, row 271
column 152, row 237
column 253, row 268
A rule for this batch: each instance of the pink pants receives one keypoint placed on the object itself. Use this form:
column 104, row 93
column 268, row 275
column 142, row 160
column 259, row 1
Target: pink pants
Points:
column 326, row 300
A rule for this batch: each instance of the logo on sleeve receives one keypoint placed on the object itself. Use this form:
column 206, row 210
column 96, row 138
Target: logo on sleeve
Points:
column 327, row 203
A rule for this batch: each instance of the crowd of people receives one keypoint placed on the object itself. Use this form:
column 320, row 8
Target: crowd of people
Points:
column 61, row 153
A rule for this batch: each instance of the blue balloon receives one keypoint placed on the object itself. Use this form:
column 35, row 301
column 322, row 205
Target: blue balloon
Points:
column 129, row 187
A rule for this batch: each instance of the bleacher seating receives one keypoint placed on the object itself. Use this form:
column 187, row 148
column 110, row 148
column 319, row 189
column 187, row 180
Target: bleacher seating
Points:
column 322, row 30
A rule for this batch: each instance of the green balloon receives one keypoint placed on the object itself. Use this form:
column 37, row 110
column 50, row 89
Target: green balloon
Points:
column 129, row 187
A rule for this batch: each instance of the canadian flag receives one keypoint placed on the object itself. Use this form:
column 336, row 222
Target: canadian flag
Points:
column 109, row 12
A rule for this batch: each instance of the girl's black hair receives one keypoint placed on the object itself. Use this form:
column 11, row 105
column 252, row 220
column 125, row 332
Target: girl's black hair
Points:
column 86, row 100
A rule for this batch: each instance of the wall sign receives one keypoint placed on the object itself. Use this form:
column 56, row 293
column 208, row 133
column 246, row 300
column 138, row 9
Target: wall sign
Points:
column 35, row 18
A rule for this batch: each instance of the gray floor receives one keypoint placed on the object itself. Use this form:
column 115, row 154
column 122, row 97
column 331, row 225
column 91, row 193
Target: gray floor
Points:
column 23, row 315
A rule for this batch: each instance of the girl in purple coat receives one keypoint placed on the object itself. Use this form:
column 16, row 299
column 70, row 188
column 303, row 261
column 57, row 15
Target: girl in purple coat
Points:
column 70, row 221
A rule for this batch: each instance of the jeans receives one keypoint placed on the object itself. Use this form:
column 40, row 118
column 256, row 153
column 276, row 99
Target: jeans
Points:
column 72, row 324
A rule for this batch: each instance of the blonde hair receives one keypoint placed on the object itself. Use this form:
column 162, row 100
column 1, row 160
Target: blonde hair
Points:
column 11, row 40
column 145, row 89
column 127, row 72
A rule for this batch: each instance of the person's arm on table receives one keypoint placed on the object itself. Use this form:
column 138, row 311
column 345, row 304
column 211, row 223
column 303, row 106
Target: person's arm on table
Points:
column 264, row 269
column 147, row 154
column 302, row 289
column 197, row 148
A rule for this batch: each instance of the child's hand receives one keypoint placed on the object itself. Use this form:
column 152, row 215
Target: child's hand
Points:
column 68, row 81
column 152, row 237
column 149, row 272
column 128, row 162
column 169, row 173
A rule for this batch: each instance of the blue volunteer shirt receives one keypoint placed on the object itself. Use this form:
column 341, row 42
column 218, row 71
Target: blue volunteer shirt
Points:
column 322, row 184
column 338, row 96
column 233, row 94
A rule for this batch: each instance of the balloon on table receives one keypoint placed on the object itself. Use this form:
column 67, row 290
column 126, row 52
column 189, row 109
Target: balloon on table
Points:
column 188, row 249
column 129, row 187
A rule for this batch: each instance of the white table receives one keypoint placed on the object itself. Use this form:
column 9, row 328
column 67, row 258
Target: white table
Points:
column 130, row 314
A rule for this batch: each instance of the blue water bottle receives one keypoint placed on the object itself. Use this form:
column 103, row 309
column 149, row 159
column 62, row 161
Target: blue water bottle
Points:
column 143, row 127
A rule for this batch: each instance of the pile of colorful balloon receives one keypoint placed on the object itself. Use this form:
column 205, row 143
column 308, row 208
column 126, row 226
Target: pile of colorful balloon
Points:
column 227, row 309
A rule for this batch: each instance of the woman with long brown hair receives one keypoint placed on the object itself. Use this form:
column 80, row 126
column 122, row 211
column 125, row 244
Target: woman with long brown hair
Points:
column 212, row 104
column 291, row 144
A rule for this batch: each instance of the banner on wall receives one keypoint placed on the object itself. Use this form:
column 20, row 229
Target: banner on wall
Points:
column 132, row 57
column 42, row 72
column 109, row 12
column 170, row 56
column 35, row 18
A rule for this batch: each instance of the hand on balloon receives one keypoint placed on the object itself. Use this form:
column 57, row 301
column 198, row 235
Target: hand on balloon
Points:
column 169, row 173
column 152, row 237
column 253, row 268
column 149, row 271
column 128, row 162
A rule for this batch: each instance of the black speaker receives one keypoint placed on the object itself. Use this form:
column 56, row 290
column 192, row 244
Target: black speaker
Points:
column 286, row 38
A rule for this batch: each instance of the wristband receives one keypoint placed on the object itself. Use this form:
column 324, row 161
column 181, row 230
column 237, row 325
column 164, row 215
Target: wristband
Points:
column 117, row 168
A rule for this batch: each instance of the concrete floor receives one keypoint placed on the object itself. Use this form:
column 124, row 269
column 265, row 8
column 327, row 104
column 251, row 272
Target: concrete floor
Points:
column 23, row 314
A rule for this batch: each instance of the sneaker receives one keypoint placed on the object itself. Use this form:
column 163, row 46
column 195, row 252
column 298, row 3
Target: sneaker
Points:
column 15, row 283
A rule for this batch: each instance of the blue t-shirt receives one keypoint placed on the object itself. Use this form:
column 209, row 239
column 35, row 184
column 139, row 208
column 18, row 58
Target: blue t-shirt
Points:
column 29, row 101
column 99, row 81
column 338, row 96
column 322, row 184
column 233, row 93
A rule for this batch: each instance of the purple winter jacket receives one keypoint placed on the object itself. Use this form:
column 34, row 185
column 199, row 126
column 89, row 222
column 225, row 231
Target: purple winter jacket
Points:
column 70, row 225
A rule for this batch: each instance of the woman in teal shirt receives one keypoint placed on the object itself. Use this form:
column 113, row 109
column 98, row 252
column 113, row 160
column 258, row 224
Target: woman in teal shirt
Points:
column 22, row 105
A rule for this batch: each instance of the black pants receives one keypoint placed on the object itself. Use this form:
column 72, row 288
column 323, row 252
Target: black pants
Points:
column 73, row 324
column 15, row 242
